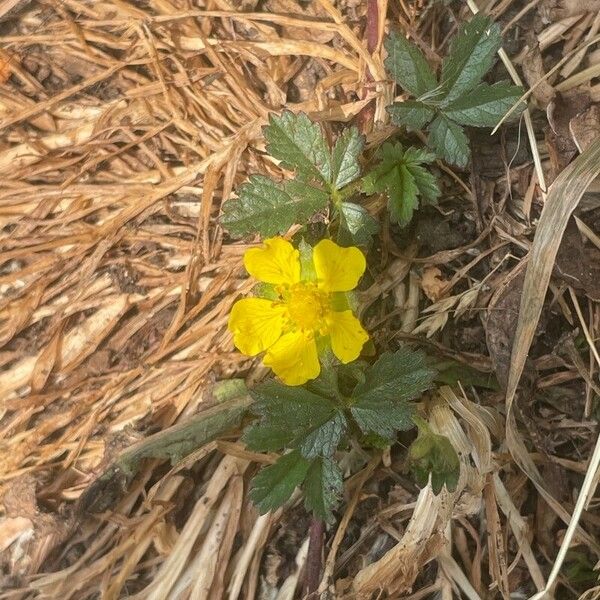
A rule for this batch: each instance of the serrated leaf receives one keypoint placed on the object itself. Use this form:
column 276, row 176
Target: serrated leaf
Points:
column 293, row 417
column 322, row 488
column 403, row 201
column 345, row 167
column 449, row 141
column 426, row 183
column 382, row 417
column 326, row 384
column 357, row 226
column 381, row 401
column 470, row 56
column 485, row 105
column 415, row 156
column 401, row 375
column 269, row 208
column 299, row 144
column 408, row 66
column 412, row 114
column 433, row 454
column 324, row 439
column 274, row 485
column 395, row 177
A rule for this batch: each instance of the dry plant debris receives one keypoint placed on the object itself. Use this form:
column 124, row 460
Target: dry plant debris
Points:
column 124, row 127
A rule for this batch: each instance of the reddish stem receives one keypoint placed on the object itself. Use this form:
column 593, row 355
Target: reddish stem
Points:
column 372, row 25
column 313, row 559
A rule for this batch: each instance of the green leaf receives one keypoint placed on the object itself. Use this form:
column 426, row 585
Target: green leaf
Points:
column 357, row 226
column 451, row 372
column 324, row 439
column 433, row 454
column 274, row 485
column 293, row 417
column 381, row 416
column 403, row 202
column 326, row 384
column 408, row 66
column 416, row 156
column 485, row 105
column 401, row 178
column 403, row 375
column 269, row 208
column 344, row 160
column 381, row 401
column 412, row 114
column 322, row 488
column 449, row 141
column 426, row 183
column 470, row 57
column 299, row 144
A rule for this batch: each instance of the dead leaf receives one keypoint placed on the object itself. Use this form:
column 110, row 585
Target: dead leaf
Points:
column 535, row 75
column 12, row 529
column 577, row 7
column 5, row 70
column 561, row 147
column 432, row 283
column 565, row 194
column 585, row 127
column 578, row 264
column 501, row 324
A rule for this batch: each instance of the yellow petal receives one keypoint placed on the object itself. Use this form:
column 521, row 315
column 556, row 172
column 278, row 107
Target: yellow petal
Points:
column 338, row 269
column 294, row 358
column 347, row 335
column 256, row 324
column 276, row 262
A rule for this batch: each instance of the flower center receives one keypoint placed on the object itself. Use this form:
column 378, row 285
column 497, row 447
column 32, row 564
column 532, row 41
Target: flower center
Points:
column 306, row 305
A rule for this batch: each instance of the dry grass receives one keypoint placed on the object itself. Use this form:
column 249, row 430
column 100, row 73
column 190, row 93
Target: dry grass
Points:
column 125, row 125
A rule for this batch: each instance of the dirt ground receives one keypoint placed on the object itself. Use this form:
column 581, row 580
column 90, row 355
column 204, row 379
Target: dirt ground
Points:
column 125, row 124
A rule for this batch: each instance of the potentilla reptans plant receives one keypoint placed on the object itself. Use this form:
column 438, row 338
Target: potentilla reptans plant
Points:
column 330, row 390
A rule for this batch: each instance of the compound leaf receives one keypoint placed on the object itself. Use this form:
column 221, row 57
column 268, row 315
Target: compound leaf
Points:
column 398, row 177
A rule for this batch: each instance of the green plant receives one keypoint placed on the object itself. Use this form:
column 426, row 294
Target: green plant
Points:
column 303, row 318
column 402, row 178
column 323, row 181
column 310, row 424
column 326, row 179
column 458, row 97
column 432, row 456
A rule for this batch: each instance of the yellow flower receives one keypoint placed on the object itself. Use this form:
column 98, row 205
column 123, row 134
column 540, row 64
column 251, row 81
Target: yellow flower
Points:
column 304, row 309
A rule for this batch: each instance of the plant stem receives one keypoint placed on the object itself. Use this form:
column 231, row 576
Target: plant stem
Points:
column 312, row 576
